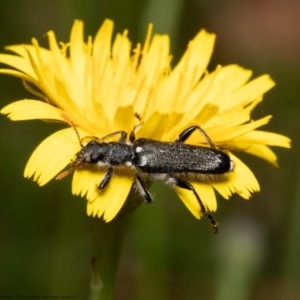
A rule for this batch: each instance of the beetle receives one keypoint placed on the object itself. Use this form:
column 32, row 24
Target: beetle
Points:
column 171, row 162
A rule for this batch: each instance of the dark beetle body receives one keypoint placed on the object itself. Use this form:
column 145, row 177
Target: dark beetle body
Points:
column 151, row 156
column 177, row 157
column 173, row 160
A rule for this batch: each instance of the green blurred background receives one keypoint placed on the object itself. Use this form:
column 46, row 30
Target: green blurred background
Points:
column 46, row 239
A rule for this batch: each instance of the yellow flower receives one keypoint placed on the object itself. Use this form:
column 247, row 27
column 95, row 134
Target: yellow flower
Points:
column 100, row 86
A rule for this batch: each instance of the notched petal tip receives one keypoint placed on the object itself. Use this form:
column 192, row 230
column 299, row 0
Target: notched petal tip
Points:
column 104, row 203
column 85, row 183
column 240, row 181
column 51, row 156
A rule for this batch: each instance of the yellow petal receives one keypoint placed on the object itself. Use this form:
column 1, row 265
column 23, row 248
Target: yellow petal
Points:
column 206, row 194
column 156, row 59
column 263, row 152
column 52, row 155
column 85, row 182
column 21, row 64
column 194, row 62
column 245, row 93
column 124, row 116
column 118, row 192
column 102, row 42
column 264, row 137
column 189, row 201
column 254, row 89
column 31, row 109
column 154, row 127
column 159, row 126
column 121, row 51
column 111, row 199
column 218, row 84
column 241, row 181
column 106, row 202
column 256, row 143
column 78, row 52
column 225, row 133
column 181, row 82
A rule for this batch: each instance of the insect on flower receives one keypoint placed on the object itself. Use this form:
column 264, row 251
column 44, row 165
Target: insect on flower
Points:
column 171, row 162
column 108, row 78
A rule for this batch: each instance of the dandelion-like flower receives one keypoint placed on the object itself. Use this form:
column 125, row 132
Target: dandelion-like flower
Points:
column 100, row 86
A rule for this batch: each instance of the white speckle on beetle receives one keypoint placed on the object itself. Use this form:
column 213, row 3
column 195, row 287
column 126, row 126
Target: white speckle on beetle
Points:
column 143, row 161
column 138, row 149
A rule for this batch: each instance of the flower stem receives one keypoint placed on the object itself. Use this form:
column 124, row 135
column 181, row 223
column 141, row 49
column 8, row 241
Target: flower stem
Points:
column 108, row 243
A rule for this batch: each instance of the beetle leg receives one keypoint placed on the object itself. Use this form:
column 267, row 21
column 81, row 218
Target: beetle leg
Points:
column 188, row 186
column 122, row 134
column 143, row 191
column 184, row 135
column 106, row 178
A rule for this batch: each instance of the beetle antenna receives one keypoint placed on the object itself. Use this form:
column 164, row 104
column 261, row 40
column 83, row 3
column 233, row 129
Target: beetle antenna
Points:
column 72, row 167
column 70, row 122
column 65, row 173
